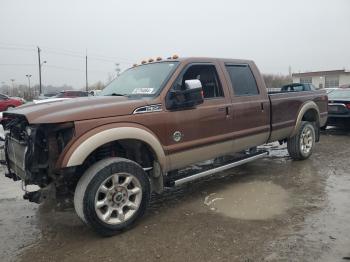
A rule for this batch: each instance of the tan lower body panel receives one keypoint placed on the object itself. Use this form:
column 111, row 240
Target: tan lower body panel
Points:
column 186, row 158
column 323, row 119
column 281, row 133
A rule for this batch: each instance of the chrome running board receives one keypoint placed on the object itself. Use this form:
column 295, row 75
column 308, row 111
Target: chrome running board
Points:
column 220, row 168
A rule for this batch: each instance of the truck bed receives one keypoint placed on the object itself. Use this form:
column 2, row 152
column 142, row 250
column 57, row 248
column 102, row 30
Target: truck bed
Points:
column 284, row 108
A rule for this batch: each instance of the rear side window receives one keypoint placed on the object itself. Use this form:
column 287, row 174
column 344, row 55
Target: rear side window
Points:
column 242, row 79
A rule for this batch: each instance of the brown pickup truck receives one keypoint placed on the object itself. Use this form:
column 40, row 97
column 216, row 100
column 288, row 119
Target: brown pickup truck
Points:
column 109, row 153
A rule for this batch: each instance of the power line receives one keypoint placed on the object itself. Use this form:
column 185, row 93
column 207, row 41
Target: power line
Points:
column 56, row 67
column 17, row 48
column 63, row 52
column 73, row 69
column 91, row 57
column 20, row 45
column 17, row 65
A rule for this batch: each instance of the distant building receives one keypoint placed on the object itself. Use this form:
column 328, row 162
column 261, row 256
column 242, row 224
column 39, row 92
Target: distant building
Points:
column 323, row 79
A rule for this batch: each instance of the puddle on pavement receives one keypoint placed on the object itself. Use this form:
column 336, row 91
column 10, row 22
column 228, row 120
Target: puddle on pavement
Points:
column 256, row 200
column 276, row 150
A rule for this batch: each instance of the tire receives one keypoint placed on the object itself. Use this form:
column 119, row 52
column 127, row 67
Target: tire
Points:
column 301, row 145
column 112, row 195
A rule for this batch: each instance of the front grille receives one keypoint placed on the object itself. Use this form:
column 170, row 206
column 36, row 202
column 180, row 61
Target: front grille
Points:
column 16, row 143
column 16, row 154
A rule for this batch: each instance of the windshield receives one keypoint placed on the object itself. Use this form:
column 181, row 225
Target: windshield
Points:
column 339, row 94
column 144, row 80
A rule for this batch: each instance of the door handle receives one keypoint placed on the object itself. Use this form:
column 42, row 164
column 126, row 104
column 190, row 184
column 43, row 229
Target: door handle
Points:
column 262, row 106
column 226, row 109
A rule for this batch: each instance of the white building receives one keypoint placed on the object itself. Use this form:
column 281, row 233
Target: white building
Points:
column 324, row 79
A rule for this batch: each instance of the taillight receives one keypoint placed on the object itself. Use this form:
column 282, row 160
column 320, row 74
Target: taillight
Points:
column 348, row 106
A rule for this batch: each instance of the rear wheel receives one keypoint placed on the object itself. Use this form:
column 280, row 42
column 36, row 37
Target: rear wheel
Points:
column 301, row 145
column 111, row 195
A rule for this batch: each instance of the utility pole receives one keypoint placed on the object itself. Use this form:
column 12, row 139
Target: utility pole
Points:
column 117, row 69
column 29, row 92
column 4, row 85
column 13, row 85
column 39, row 70
column 86, row 73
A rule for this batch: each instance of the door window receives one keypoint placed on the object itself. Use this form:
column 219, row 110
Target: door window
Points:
column 208, row 76
column 242, row 79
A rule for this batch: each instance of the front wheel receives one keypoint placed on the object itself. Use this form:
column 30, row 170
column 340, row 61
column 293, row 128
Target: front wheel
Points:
column 111, row 195
column 301, row 145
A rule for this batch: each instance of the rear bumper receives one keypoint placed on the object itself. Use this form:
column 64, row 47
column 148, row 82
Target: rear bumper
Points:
column 345, row 116
column 338, row 120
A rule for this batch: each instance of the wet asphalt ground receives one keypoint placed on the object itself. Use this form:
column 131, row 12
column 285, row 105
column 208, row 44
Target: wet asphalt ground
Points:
column 273, row 209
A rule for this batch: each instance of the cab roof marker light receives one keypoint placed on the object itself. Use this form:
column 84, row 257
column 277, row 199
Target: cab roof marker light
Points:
column 159, row 58
column 150, row 60
column 143, row 62
column 175, row 57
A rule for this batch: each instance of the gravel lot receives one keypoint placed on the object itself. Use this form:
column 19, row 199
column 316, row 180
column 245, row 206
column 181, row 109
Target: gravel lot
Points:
column 274, row 209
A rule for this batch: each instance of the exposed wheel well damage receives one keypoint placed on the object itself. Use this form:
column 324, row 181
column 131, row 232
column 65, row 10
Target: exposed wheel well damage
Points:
column 132, row 149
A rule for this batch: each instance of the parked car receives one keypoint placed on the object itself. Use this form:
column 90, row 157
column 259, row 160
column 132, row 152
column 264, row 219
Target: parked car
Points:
column 331, row 89
column 339, row 108
column 71, row 94
column 297, row 87
column 47, row 95
column 7, row 102
column 345, row 86
column 94, row 92
column 147, row 127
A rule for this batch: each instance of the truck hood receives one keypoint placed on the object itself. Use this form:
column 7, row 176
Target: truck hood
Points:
column 77, row 109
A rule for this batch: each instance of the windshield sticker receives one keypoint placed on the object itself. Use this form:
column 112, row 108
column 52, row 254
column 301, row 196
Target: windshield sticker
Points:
column 144, row 90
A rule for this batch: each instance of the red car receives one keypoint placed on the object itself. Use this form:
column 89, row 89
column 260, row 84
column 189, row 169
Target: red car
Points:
column 7, row 102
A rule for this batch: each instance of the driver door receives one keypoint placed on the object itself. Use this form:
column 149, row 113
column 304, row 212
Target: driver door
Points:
column 196, row 134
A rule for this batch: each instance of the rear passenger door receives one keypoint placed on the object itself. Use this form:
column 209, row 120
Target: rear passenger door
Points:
column 250, row 124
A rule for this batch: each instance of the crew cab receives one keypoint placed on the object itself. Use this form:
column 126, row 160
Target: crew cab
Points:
column 144, row 130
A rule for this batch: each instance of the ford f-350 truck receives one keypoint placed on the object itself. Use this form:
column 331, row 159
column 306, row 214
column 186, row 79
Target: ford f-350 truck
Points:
column 112, row 151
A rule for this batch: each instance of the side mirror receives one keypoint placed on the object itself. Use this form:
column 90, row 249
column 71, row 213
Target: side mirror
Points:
column 188, row 98
column 193, row 84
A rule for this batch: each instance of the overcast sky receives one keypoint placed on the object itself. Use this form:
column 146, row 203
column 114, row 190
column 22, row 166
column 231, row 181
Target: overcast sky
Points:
column 306, row 35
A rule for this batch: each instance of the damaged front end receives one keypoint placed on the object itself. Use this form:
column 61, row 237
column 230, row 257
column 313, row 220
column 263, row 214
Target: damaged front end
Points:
column 31, row 152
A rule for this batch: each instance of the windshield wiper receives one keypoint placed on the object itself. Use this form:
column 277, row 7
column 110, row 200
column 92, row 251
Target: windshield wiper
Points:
column 115, row 94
